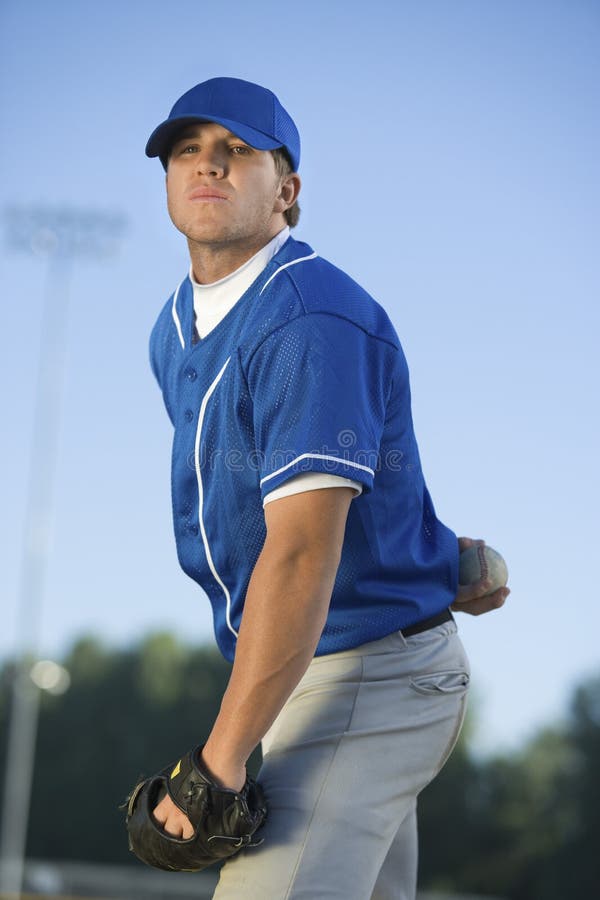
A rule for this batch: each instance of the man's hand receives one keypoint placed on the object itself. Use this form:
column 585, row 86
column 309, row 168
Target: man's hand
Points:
column 172, row 820
column 198, row 822
column 470, row 598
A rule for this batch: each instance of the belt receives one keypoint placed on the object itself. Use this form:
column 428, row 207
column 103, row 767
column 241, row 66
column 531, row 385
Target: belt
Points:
column 444, row 616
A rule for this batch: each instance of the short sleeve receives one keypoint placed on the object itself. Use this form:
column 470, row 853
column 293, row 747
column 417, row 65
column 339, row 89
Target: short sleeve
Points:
column 311, row 481
column 319, row 387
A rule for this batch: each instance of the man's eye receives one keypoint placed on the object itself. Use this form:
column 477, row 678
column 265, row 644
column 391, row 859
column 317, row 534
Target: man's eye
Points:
column 240, row 149
column 189, row 148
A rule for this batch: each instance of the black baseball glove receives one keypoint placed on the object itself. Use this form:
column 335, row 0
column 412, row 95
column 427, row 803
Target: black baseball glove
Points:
column 224, row 821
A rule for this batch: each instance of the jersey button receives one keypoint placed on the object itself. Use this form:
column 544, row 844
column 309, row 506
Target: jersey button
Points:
column 189, row 415
column 191, row 374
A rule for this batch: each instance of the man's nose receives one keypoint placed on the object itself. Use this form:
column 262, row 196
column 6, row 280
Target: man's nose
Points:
column 211, row 161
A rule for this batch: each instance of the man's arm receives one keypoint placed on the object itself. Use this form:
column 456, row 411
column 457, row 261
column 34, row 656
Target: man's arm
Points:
column 285, row 611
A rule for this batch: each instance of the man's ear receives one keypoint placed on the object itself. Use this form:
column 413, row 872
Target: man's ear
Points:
column 288, row 192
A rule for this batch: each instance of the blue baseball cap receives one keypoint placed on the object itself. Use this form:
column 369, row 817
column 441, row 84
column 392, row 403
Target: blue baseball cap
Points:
column 248, row 110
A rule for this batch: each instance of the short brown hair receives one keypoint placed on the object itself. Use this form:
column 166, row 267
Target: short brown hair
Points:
column 283, row 167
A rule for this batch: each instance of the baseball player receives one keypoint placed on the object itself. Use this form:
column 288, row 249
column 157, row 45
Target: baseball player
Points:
column 300, row 507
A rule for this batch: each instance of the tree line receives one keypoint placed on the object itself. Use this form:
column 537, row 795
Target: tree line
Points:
column 524, row 826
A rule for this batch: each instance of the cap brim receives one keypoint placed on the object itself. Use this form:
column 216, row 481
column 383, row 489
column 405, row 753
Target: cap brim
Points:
column 162, row 137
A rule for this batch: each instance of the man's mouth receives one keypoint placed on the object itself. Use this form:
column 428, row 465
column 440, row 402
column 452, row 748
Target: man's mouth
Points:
column 206, row 194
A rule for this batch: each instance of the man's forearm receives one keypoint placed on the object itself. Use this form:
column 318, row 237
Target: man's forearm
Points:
column 284, row 614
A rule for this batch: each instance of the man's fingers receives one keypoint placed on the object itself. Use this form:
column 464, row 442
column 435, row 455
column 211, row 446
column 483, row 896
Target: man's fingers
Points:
column 172, row 820
column 188, row 831
column 465, row 542
column 479, row 605
column 178, row 825
column 173, row 828
column 161, row 812
column 468, row 592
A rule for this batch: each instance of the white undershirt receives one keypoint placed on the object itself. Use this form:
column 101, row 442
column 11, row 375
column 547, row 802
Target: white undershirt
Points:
column 212, row 302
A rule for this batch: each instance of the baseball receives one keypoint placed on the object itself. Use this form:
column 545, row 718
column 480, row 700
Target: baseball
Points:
column 480, row 562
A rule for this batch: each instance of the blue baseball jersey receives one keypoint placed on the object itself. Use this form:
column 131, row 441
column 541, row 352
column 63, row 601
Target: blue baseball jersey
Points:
column 304, row 374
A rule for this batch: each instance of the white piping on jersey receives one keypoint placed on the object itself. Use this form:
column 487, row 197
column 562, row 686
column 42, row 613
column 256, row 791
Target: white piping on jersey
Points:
column 281, row 268
column 209, row 558
column 175, row 316
column 338, row 459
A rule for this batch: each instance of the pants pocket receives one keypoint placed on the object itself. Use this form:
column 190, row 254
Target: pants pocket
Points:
column 454, row 681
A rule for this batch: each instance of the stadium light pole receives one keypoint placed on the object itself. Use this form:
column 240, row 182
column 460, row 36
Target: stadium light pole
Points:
column 61, row 236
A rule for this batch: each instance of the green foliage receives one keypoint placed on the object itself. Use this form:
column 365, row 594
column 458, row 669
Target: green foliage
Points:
column 576, row 869
column 127, row 712
column 160, row 670
column 524, row 826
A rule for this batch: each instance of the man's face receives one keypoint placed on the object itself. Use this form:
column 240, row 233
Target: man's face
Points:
column 220, row 190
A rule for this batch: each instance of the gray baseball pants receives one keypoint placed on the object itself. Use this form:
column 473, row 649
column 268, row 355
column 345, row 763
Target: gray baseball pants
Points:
column 363, row 732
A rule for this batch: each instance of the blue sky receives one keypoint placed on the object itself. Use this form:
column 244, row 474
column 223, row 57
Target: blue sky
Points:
column 450, row 164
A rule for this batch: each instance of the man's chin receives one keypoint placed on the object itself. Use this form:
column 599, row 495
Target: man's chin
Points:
column 209, row 234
